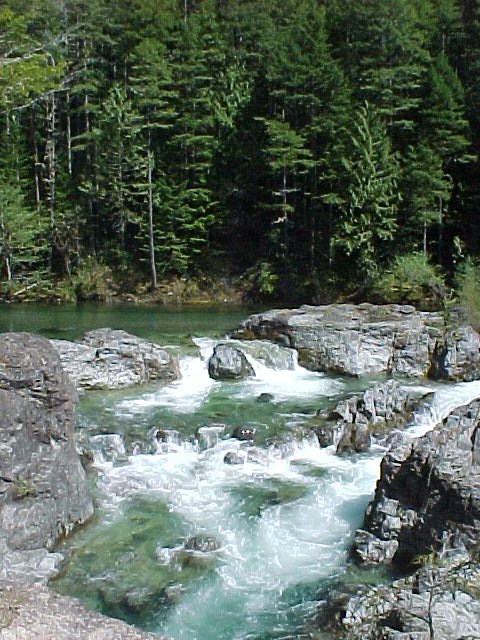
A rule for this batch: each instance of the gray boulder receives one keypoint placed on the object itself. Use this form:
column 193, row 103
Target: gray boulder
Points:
column 43, row 487
column 368, row 339
column 113, row 359
column 357, row 420
column 229, row 363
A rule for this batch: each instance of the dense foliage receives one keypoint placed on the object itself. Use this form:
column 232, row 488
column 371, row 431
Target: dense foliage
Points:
column 304, row 143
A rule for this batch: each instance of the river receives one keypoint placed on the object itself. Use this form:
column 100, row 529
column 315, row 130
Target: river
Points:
column 184, row 543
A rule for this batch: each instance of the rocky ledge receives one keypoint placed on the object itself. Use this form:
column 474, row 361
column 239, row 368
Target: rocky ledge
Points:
column 436, row 603
column 43, row 495
column 367, row 339
column 43, row 487
column 32, row 611
column 426, row 513
column 114, row 359
column 427, row 500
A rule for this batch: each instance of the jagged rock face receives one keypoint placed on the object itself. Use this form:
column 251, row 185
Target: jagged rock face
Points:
column 457, row 356
column 428, row 497
column 229, row 363
column 368, row 339
column 439, row 602
column 43, row 487
column 114, row 359
column 33, row 611
column 354, row 421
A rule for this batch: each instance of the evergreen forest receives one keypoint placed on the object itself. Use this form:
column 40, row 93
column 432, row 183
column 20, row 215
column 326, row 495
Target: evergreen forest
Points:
column 308, row 149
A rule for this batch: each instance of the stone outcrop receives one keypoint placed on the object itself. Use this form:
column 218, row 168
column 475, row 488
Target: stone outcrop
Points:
column 440, row 602
column 43, row 495
column 43, row 487
column 114, row 359
column 32, row 611
column 457, row 356
column 367, row 339
column 229, row 363
column 356, row 420
column 426, row 513
column 427, row 500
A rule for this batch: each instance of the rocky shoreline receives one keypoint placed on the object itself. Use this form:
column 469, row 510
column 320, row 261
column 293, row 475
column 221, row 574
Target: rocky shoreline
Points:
column 424, row 520
column 44, row 495
column 425, row 516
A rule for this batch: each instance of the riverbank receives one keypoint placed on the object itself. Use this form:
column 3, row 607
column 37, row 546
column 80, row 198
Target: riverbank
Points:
column 100, row 284
column 240, row 496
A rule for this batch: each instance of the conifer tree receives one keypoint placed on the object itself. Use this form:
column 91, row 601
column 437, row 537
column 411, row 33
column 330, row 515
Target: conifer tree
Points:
column 368, row 190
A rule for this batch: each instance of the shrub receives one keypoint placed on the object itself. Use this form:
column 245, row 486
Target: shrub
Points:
column 468, row 291
column 411, row 279
column 93, row 281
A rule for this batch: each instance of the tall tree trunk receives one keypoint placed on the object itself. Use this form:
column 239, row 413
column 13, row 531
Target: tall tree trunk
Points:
column 50, row 161
column 69, row 136
column 151, row 237
column 36, row 167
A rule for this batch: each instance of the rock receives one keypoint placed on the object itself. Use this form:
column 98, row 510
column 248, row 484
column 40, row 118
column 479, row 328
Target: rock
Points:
column 265, row 398
column 235, row 457
column 244, row 434
column 32, row 611
column 367, row 339
column 440, row 602
column 229, row 363
column 253, row 455
column 353, row 423
column 209, row 435
column 428, row 497
column 111, row 359
column 456, row 356
column 108, row 447
column 43, row 487
column 202, row 544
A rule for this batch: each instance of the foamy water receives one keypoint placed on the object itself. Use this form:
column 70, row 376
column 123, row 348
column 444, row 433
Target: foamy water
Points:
column 283, row 516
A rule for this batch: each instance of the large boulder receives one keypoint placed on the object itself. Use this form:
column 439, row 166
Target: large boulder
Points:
column 367, row 339
column 114, row 359
column 43, row 487
column 229, row 363
column 355, row 421
column 427, row 501
column 32, row 611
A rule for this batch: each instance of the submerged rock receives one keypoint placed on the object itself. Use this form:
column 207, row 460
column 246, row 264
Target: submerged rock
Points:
column 202, row 544
column 209, row 435
column 368, row 339
column 43, row 487
column 253, row 455
column 244, row 434
column 265, row 398
column 229, row 363
column 112, row 359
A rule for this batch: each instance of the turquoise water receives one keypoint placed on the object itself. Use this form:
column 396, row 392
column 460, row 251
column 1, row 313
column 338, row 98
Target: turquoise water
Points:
column 168, row 324
column 184, row 543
